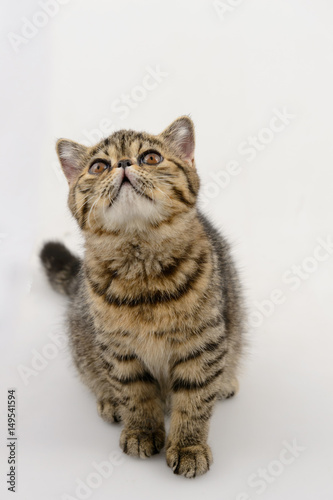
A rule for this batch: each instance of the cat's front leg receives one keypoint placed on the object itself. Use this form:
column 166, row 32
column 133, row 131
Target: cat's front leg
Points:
column 196, row 380
column 141, row 409
column 188, row 453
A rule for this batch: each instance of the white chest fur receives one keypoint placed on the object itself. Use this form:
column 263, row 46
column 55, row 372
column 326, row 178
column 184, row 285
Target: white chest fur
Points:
column 155, row 353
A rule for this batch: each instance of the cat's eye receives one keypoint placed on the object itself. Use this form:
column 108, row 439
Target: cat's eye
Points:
column 98, row 167
column 151, row 158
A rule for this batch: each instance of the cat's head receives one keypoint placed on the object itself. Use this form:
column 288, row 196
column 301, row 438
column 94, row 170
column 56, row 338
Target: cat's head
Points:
column 131, row 179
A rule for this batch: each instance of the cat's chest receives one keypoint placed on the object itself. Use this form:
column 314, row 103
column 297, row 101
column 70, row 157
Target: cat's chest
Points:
column 155, row 354
column 138, row 260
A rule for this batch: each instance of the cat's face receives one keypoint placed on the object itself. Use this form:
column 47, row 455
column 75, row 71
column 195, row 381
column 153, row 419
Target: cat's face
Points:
column 131, row 179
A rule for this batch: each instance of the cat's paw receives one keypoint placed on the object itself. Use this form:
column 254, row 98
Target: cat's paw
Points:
column 142, row 443
column 108, row 411
column 228, row 390
column 189, row 461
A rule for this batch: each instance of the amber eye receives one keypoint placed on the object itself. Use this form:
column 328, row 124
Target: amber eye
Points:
column 98, row 167
column 152, row 158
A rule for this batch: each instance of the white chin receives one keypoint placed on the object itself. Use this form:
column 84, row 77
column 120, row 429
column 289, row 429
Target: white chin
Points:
column 131, row 210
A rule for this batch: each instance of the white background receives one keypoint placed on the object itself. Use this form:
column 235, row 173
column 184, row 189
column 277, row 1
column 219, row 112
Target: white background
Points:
column 229, row 72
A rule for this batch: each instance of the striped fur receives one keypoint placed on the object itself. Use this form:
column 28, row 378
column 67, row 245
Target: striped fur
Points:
column 155, row 316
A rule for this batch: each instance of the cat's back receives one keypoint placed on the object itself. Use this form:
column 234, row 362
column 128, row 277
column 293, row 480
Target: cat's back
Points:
column 230, row 285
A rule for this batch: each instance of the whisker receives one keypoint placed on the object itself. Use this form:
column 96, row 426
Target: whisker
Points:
column 93, row 205
column 86, row 200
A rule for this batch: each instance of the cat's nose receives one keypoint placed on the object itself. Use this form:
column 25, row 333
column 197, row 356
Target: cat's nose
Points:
column 124, row 163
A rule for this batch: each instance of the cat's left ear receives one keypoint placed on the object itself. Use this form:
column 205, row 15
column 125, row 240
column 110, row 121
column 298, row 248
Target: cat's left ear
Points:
column 71, row 156
column 180, row 137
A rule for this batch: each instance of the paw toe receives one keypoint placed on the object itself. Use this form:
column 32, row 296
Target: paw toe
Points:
column 229, row 390
column 142, row 443
column 190, row 461
column 108, row 411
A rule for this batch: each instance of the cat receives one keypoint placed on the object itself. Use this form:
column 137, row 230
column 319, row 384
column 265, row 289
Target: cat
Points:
column 156, row 316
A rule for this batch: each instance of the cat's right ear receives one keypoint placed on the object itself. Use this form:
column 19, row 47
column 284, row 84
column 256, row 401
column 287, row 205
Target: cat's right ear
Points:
column 180, row 137
column 71, row 155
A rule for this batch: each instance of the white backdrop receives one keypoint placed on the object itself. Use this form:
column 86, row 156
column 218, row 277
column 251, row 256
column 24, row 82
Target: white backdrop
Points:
column 256, row 78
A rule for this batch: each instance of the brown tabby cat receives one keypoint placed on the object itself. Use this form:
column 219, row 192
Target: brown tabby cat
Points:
column 155, row 313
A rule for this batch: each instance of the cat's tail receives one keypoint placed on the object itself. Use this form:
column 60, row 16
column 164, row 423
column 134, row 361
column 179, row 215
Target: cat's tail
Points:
column 61, row 266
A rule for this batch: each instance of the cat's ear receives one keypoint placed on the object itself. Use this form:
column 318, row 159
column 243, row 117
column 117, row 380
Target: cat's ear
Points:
column 71, row 155
column 180, row 137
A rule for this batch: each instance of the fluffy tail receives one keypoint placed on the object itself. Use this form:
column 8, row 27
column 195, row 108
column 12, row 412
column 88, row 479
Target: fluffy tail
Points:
column 61, row 266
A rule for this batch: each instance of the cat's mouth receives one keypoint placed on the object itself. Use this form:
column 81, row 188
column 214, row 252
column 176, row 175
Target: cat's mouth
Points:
column 135, row 187
column 126, row 180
